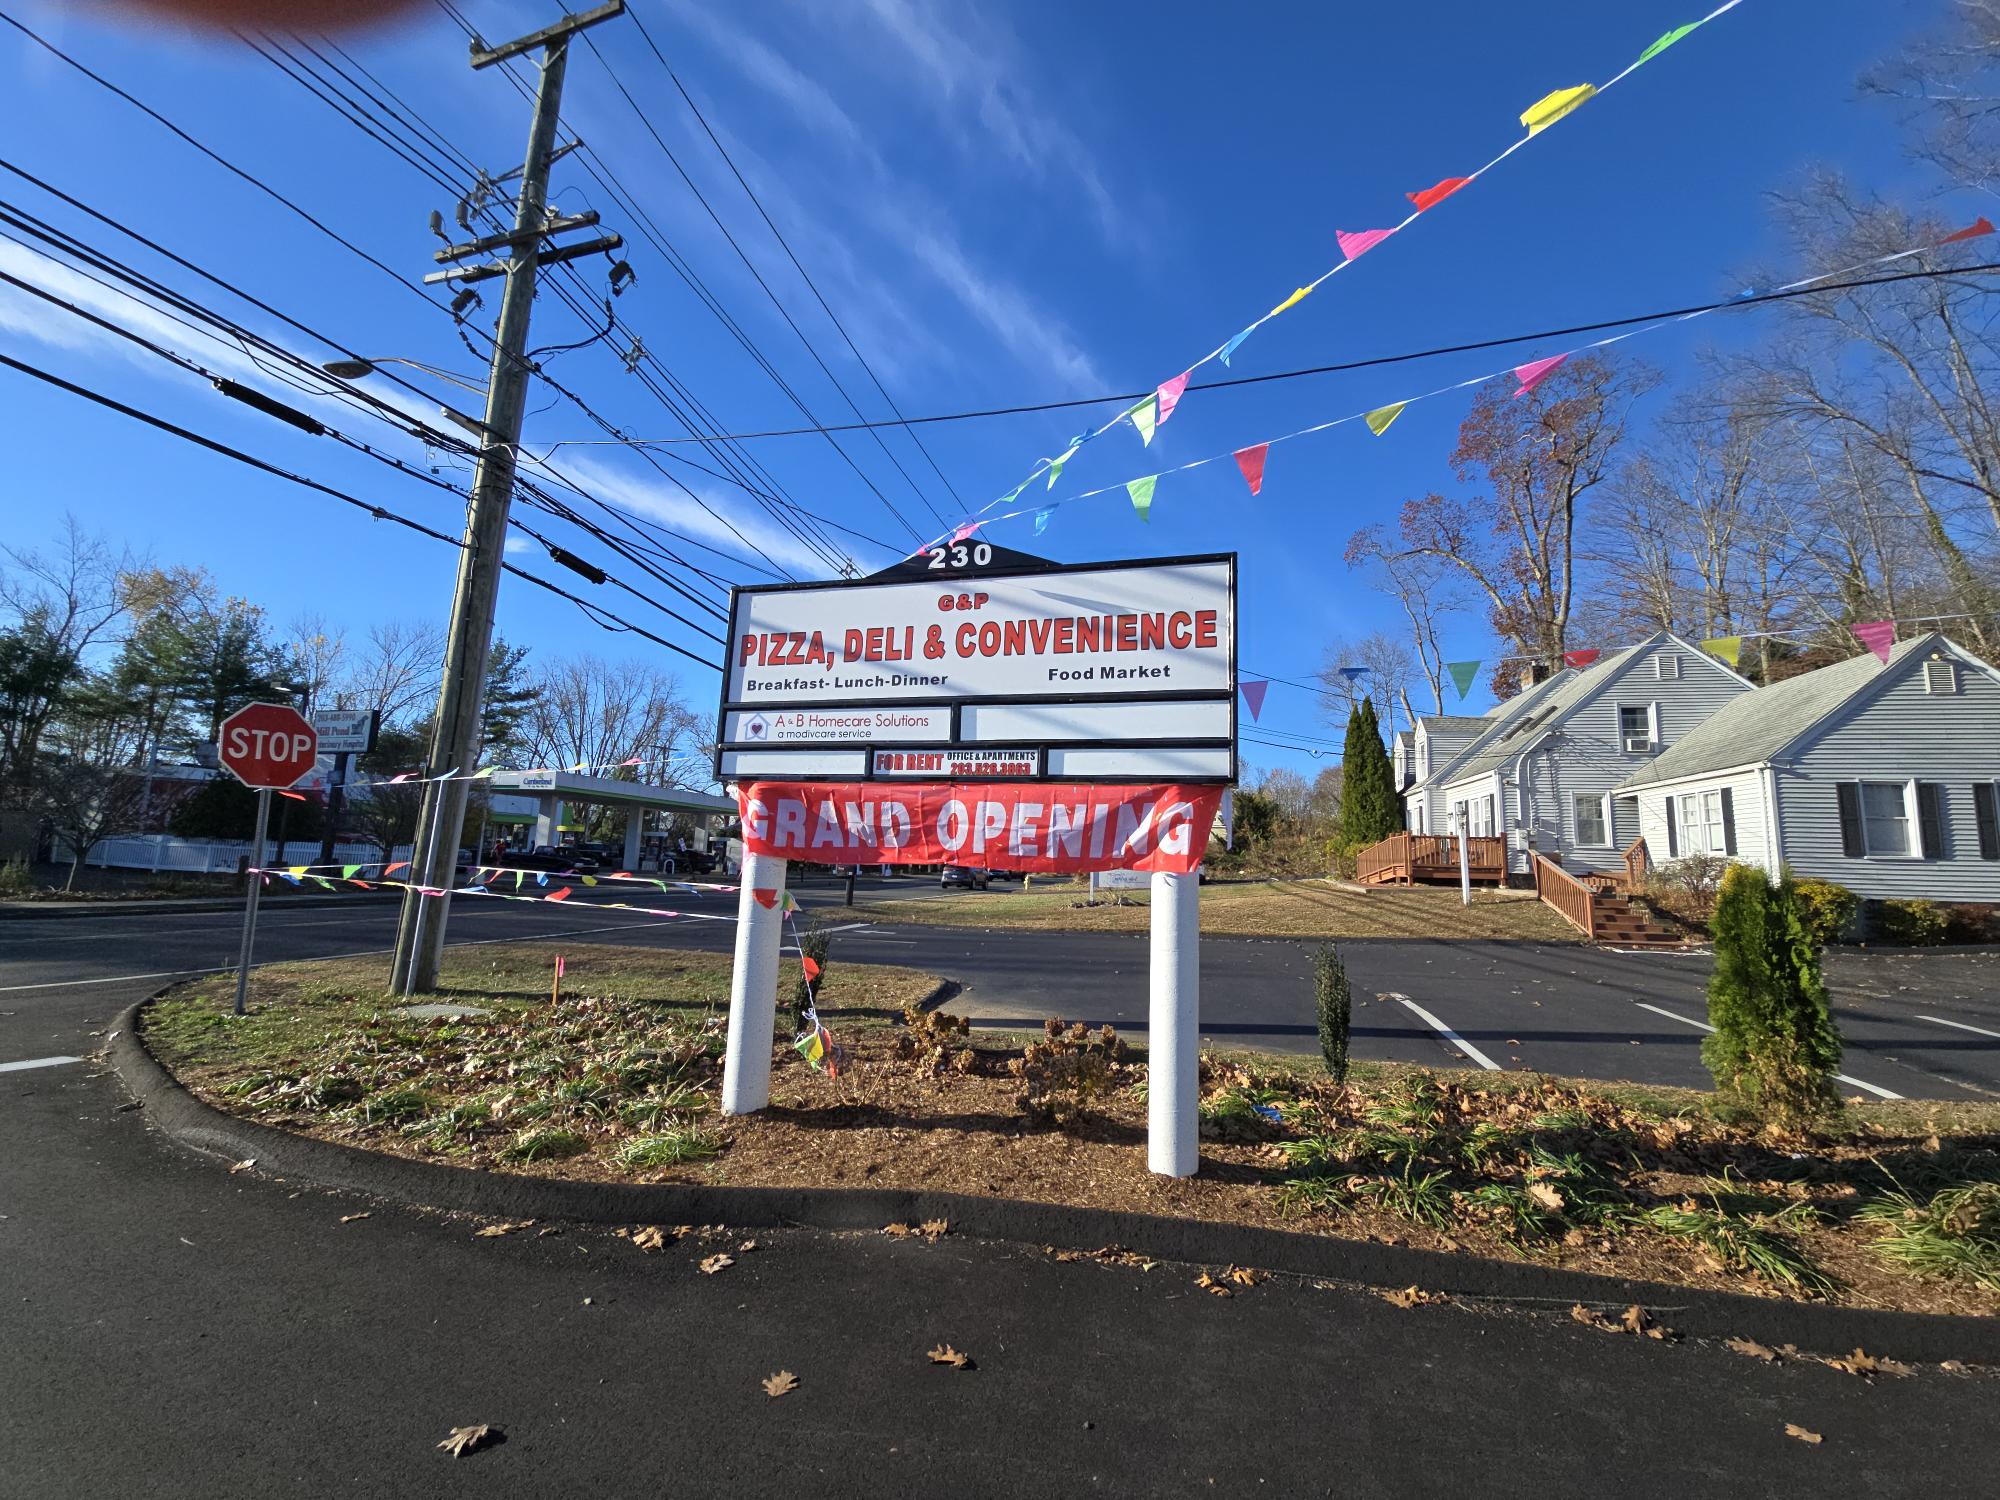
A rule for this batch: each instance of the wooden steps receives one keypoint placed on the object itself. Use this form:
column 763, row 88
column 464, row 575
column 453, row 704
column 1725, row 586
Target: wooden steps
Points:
column 1615, row 924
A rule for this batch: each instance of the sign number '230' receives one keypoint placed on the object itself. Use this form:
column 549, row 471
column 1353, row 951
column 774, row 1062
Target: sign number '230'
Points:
column 978, row 555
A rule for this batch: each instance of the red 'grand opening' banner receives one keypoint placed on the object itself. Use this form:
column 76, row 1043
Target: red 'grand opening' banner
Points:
column 1043, row 826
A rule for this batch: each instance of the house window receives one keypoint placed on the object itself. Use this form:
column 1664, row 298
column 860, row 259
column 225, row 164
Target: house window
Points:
column 1704, row 824
column 1593, row 826
column 1940, row 676
column 1667, row 666
column 1885, row 816
column 1635, row 728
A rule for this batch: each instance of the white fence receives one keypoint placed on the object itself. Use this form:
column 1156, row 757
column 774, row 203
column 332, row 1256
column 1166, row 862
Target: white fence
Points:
column 163, row 853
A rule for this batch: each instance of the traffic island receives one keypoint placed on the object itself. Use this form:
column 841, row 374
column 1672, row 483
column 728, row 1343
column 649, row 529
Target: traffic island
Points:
column 602, row 1105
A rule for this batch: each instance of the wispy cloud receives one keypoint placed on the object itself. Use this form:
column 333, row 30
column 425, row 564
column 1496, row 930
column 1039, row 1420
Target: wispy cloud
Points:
column 1027, row 330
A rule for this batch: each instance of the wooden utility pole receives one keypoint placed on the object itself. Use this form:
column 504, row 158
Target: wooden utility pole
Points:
column 455, row 741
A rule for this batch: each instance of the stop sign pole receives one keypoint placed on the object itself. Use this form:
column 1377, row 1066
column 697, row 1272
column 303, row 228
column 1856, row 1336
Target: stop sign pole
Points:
column 265, row 746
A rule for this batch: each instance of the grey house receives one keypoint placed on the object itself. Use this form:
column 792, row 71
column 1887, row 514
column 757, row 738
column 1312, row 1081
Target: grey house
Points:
column 1884, row 777
column 1425, row 749
column 1542, row 773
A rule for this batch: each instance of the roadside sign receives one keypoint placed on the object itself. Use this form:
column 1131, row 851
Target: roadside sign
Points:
column 267, row 745
column 1122, row 671
column 346, row 731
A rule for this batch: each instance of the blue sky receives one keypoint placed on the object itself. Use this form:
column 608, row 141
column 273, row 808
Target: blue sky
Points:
column 1003, row 205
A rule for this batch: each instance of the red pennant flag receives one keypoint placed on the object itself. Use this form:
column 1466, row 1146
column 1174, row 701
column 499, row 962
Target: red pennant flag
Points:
column 362, row 883
column 1972, row 231
column 561, row 895
column 764, row 898
column 965, row 531
column 1581, row 658
column 295, row 796
column 1251, row 462
column 1431, row 197
column 810, row 965
column 401, row 864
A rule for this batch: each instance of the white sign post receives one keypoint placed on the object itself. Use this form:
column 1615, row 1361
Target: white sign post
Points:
column 969, row 665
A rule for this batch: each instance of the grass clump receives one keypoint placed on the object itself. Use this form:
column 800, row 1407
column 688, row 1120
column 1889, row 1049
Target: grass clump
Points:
column 1952, row 1233
column 545, row 1145
column 670, row 1147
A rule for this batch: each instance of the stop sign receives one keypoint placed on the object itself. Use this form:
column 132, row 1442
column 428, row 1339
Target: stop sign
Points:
column 267, row 745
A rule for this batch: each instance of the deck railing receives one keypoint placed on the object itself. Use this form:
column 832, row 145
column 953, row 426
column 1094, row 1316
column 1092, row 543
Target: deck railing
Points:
column 1638, row 863
column 1571, row 898
column 1390, row 856
column 1404, row 856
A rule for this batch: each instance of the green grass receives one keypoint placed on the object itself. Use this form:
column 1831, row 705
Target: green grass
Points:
column 545, row 1145
column 1953, row 1233
column 670, row 1148
column 1742, row 1244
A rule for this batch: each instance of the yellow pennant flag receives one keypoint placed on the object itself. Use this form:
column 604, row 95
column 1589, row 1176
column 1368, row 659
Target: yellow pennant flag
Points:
column 1728, row 647
column 1292, row 301
column 1379, row 419
column 1550, row 108
column 297, row 869
column 1145, row 417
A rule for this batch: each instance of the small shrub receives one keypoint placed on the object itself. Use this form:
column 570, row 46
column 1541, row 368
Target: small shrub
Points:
column 1827, row 909
column 545, row 1145
column 1968, row 922
column 16, row 884
column 935, row 1040
column 1334, row 999
column 1685, row 888
column 1774, row 1046
column 1065, row 1072
column 1910, row 923
column 670, row 1147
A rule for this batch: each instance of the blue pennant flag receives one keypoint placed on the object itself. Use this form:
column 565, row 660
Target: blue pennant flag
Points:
column 1231, row 347
column 1353, row 674
column 1042, row 520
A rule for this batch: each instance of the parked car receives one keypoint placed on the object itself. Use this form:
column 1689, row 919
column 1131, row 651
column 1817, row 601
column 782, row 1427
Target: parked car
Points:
column 554, row 857
column 952, row 876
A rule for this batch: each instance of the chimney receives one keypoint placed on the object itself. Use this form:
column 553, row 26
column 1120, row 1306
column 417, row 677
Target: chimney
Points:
column 1536, row 672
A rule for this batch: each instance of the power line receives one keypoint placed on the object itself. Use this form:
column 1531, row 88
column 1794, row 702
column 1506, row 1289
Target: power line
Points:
column 1752, row 300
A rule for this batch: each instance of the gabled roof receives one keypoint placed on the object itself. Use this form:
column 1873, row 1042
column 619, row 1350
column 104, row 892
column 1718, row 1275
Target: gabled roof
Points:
column 1571, row 688
column 1455, row 723
column 1497, row 720
column 1757, row 726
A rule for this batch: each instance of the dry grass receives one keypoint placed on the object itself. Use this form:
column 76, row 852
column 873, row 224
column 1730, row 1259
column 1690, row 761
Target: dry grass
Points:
column 619, row 1084
column 1263, row 908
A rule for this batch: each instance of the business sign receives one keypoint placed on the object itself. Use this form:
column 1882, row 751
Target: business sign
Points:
column 346, row 731
column 1102, row 671
column 1048, row 826
column 959, row 763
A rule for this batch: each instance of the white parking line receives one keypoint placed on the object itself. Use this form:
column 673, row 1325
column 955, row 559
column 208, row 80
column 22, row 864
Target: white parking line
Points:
column 1451, row 1036
column 849, row 927
column 37, row 1062
column 1874, row 1088
column 1981, row 1030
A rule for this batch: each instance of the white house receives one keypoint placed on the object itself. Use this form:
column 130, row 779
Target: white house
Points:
column 1428, row 748
column 1542, row 774
column 1884, row 777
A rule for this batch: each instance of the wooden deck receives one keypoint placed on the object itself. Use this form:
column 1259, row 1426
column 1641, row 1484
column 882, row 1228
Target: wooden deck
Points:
column 1430, row 859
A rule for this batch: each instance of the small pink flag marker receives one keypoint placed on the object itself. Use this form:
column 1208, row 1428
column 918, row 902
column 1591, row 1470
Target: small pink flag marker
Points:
column 1355, row 243
column 1170, row 394
column 1878, row 636
column 1534, row 372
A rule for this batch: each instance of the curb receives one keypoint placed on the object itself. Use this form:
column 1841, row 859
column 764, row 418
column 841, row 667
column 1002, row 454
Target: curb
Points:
column 1691, row 1312
column 35, row 910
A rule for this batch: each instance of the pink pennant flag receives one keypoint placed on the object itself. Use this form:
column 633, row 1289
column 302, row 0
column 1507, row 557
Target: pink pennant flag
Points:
column 1253, row 696
column 1581, row 658
column 1355, row 243
column 965, row 531
column 1431, row 197
column 1878, row 636
column 1534, row 372
column 1972, row 231
column 1170, row 394
column 1251, row 462
column 634, row 761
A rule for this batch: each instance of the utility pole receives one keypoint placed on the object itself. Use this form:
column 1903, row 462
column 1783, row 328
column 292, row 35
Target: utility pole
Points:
column 455, row 741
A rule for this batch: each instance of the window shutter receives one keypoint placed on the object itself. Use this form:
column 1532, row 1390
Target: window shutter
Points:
column 1930, row 818
column 1986, row 811
column 1852, row 842
column 1673, row 834
column 1728, row 821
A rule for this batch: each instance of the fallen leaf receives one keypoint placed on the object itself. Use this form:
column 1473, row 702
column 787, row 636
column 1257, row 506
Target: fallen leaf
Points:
column 1209, row 1284
column 464, row 1440
column 650, row 1238
column 1546, row 1196
column 1858, row 1363
column 1813, row 1439
column 245, row 1165
column 747, row 1246
column 934, row 1228
column 944, row 1354
column 1634, row 1320
column 1414, row 1296
column 494, row 1231
column 781, row 1384
column 350, row 1218
column 1952, row 1366
column 1753, row 1349
column 717, row 1263
column 1245, row 1276
column 898, row 1231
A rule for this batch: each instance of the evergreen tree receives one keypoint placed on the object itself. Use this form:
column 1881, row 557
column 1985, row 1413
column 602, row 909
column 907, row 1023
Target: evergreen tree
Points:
column 1775, row 1046
column 504, row 704
column 1368, row 810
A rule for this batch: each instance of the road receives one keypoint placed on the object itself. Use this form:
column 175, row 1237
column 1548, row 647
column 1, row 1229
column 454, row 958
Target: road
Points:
column 173, row 1330
column 1917, row 1025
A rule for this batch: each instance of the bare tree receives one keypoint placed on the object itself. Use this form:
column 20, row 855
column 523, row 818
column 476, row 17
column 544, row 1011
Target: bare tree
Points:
column 73, row 589
column 318, row 653
column 1428, row 589
column 1948, row 83
column 86, row 802
column 1378, row 666
column 396, row 672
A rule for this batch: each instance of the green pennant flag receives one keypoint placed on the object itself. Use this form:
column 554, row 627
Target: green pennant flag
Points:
column 517, row 880
column 1141, row 491
column 1665, row 42
column 1056, row 467
column 1728, row 647
column 791, row 902
column 348, row 872
column 322, row 880
column 1146, row 416
column 1379, row 419
column 590, row 880
column 1462, row 674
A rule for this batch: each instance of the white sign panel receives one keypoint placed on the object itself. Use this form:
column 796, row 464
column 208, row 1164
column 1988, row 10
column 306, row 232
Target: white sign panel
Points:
column 959, row 764
column 828, row 726
column 1162, row 628
column 345, row 731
